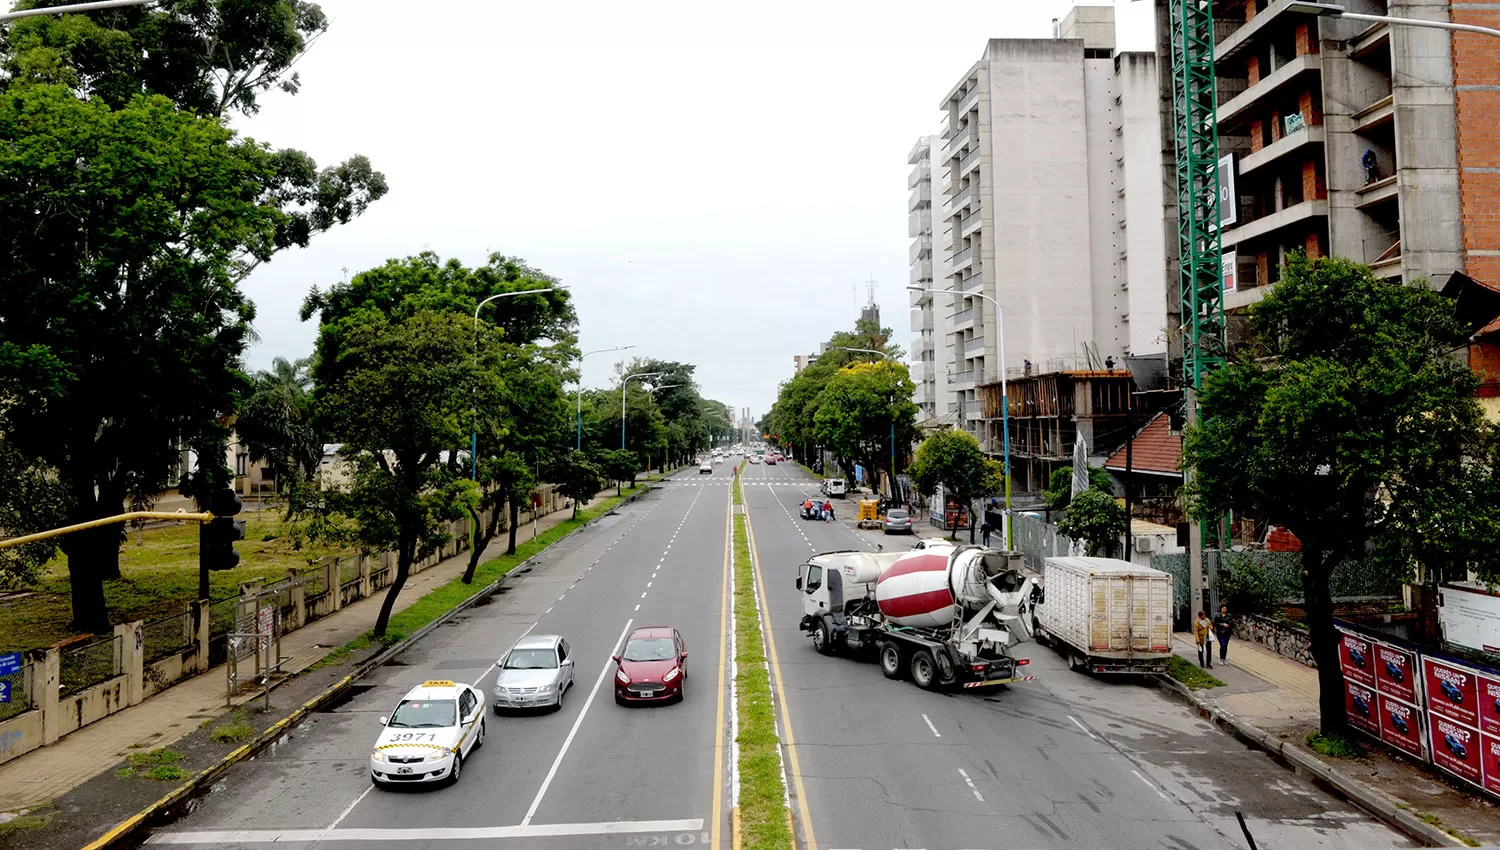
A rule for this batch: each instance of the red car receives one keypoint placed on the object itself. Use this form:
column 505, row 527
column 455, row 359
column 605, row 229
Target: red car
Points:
column 652, row 667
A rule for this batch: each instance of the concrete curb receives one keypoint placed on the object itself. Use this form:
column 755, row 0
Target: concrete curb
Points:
column 128, row 827
column 1300, row 761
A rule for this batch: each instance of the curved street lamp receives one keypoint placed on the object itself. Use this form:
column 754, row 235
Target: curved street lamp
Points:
column 579, row 446
column 474, row 437
column 623, row 385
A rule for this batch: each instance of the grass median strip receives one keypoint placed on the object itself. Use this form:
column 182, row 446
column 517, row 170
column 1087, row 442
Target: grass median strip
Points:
column 762, row 793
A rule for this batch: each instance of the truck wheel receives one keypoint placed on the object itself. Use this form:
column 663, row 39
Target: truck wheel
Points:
column 947, row 673
column 822, row 638
column 1077, row 663
column 924, row 670
column 890, row 660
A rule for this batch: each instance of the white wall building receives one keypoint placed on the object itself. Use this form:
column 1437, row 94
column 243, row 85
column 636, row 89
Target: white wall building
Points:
column 1046, row 193
column 930, row 325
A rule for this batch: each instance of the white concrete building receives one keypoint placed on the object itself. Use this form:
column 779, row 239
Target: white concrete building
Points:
column 930, row 325
column 1046, row 194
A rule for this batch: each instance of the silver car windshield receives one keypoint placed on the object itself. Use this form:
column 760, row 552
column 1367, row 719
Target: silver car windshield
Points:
column 531, row 659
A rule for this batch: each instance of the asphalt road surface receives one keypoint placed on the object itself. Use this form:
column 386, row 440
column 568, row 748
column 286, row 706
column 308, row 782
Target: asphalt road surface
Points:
column 592, row 775
column 1065, row 761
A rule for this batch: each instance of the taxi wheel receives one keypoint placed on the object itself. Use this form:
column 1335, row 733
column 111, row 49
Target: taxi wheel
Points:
column 458, row 766
column 479, row 739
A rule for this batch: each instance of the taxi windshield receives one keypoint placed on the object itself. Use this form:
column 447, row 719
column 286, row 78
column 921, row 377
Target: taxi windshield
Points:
column 531, row 659
column 424, row 714
column 650, row 649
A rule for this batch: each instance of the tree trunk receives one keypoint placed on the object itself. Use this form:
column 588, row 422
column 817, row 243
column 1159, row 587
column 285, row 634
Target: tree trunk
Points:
column 515, row 520
column 85, row 551
column 971, row 523
column 1318, row 603
column 404, row 553
column 486, row 534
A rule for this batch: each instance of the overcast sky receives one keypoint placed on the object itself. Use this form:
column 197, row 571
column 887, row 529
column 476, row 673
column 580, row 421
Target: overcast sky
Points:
column 715, row 184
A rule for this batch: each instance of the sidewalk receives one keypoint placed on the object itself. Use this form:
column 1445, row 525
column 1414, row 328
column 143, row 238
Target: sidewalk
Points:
column 1278, row 695
column 47, row 773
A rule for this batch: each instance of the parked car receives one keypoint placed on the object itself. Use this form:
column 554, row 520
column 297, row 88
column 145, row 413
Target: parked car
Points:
column 536, row 672
column 834, row 487
column 898, row 521
column 653, row 666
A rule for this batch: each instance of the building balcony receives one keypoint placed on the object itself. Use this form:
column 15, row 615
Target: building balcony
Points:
column 974, row 346
column 1282, row 147
column 969, row 162
column 969, row 319
column 962, row 199
column 961, row 138
column 962, row 260
column 969, row 224
column 970, row 283
column 1378, row 114
column 920, row 198
column 1383, row 191
column 1266, row 225
column 924, row 343
column 920, row 247
column 921, row 174
column 919, row 222
column 1237, row 107
column 1269, row 21
column 921, row 273
column 970, row 98
column 918, row 298
column 920, row 150
column 960, row 381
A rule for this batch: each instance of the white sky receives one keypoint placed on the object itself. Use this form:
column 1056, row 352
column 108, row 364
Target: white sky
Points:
column 713, row 182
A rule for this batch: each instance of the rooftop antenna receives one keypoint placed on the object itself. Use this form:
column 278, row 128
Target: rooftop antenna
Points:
column 870, row 290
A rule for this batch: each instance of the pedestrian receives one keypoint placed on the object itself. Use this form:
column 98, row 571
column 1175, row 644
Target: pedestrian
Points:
column 1202, row 628
column 1223, row 626
column 985, row 530
column 827, row 511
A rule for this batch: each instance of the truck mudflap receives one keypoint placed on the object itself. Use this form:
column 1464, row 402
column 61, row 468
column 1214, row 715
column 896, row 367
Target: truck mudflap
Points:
column 1001, row 672
column 991, row 682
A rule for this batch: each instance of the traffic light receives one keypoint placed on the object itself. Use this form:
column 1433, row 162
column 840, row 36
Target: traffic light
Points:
column 216, row 537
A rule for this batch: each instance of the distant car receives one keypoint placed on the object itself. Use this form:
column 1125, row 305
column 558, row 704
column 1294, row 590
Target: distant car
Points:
column 1456, row 747
column 835, row 487
column 1400, row 723
column 1450, row 691
column 1357, row 657
column 770, row 460
column 653, row 666
column 1361, row 707
column 755, row 459
column 898, row 521
column 1394, row 672
column 426, row 739
column 718, row 460
column 536, row 672
column 706, row 466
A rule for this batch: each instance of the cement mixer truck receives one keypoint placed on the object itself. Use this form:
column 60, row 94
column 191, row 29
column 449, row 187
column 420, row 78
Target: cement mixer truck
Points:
column 944, row 616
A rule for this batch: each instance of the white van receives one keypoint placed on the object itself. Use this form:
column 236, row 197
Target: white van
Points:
column 834, row 487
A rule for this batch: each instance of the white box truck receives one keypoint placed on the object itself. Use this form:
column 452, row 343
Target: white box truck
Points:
column 1105, row 615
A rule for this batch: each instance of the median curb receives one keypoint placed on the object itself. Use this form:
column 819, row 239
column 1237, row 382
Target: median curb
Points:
column 1372, row 800
column 127, row 828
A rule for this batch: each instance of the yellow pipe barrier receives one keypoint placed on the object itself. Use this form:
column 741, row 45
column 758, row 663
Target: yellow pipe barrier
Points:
column 109, row 520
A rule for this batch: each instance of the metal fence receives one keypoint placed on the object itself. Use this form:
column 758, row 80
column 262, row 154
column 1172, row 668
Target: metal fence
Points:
column 88, row 664
column 20, row 695
column 167, row 636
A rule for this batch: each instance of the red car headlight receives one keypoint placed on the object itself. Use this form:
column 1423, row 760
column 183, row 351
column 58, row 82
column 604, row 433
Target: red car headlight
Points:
column 621, row 677
column 671, row 674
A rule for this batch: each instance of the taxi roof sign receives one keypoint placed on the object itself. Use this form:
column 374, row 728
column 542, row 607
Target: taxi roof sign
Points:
column 438, row 683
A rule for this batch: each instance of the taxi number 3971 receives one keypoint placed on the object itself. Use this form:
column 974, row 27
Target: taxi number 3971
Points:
column 413, row 736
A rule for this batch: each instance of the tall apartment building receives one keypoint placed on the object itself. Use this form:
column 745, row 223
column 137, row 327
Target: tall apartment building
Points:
column 930, row 363
column 1047, row 194
column 1344, row 141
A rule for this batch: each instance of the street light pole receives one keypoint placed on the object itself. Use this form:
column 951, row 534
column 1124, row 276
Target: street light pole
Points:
column 474, row 437
column 71, row 9
column 1004, row 395
column 579, row 394
column 623, row 385
column 1334, row 10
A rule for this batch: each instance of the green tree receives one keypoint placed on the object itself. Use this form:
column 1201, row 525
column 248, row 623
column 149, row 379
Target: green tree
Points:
column 1060, row 486
column 576, row 478
column 617, row 465
column 858, row 409
column 952, row 460
column 276, row 421
column 1345, row 422
column 1095, row 518
column 398, row 391
column 33, row 499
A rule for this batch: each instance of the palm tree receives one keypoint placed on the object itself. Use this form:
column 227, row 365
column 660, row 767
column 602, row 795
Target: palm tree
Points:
column 276, row 421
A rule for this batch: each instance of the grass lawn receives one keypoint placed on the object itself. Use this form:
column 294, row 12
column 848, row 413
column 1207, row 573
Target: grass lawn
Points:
column 159, row 569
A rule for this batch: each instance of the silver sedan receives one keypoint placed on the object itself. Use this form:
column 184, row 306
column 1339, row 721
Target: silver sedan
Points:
column 536, row 672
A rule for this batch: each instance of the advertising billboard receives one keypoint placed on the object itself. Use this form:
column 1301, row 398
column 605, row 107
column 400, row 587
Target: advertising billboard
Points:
column 1229, row 211
column 1452, row 691
column 1455, row 748
column 1489, row 705
column 1401, row 726
column 1360, row 707
column 1356, row 659
column 1229, row 261
column 1470, row 617
column 1490, row 757
column 1396, row 672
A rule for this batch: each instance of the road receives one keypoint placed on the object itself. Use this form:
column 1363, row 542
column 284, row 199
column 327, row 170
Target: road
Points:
column 1065, row 761
column 593, row 775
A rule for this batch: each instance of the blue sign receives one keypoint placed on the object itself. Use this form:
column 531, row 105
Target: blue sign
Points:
column 4, row 691
column 10, row 662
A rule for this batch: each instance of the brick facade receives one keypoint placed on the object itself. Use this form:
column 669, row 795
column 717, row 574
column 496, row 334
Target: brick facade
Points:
column 1476, row 73
column 1314, row 187
column 1306, row 41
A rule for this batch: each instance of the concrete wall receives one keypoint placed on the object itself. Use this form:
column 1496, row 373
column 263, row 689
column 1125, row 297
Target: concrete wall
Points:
column 1038, row 249
column 1144, row 241
column 1106, row 178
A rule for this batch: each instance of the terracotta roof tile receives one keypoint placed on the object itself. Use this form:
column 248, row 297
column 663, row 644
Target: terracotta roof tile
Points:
column 1157, row 449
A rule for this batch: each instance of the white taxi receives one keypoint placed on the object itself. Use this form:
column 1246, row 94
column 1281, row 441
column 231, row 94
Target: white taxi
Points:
column 426, row 739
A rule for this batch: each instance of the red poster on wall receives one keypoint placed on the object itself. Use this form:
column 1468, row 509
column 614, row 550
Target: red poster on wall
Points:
column 1490, row 761
column 1401, row 726
column 1355, row 659
column 1451, row 691
column 1360, row 707
column 1396, row 672
column 1489, row 705
column 1455, row 748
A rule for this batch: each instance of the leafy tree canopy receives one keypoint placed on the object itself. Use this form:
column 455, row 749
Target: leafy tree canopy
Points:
column 1095, row 518
column 953, row 461
column 1060, row 486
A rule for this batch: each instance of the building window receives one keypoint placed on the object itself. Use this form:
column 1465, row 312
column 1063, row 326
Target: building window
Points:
column 242, row 464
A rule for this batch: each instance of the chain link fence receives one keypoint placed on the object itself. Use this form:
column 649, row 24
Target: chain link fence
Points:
column 167, row 636
column 20, row 695
column 88, row 664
